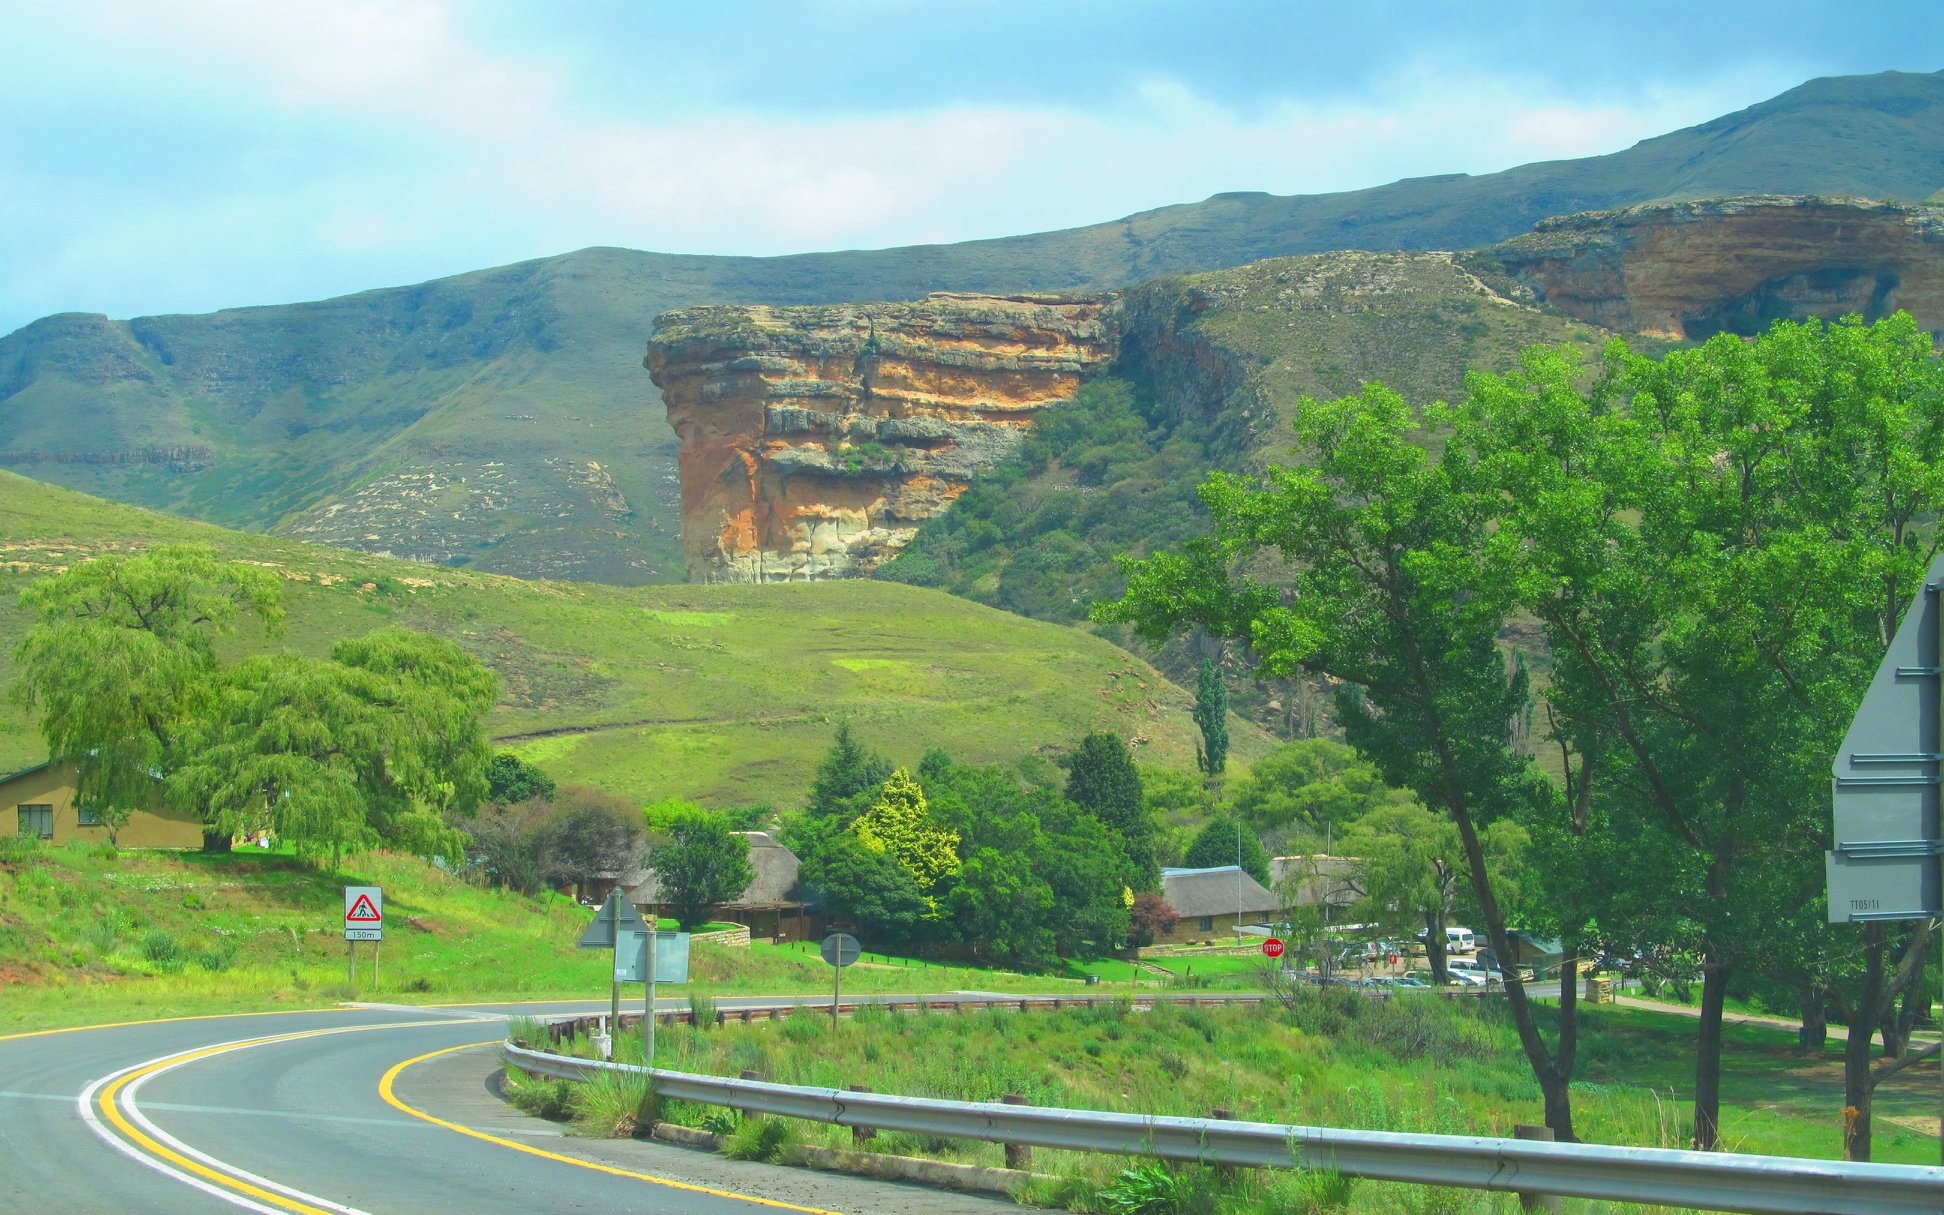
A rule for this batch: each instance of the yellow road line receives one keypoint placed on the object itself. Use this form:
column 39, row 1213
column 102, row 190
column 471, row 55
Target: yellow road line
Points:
column 113, row 1113
column 385, row 1090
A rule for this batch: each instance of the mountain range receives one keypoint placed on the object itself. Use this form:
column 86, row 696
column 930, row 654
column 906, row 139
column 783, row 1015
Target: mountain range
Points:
column 501, row 420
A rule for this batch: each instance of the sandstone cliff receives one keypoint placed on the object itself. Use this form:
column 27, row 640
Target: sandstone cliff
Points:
column 1693, row 269
column 815, row 440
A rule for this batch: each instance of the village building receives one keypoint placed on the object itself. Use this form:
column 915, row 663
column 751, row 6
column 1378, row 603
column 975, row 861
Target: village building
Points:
column 1214, row 903
column 41, row 800
column 770, row 905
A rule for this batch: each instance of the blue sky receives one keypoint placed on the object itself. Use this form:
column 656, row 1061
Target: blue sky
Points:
column 197, row 154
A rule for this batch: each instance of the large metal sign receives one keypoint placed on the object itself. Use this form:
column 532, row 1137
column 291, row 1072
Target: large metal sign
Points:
column 631, row 957
column 1885, row 864
column 364, row 913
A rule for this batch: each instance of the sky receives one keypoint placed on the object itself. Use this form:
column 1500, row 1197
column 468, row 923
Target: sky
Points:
column 199, row 154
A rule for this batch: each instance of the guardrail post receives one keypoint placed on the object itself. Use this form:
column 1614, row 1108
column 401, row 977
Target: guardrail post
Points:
column 1529, row 1201
column 750, row 1073
column 861, row 1133
column 1018, row 1155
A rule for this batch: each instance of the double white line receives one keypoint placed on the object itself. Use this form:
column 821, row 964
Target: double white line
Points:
column 110, row 1103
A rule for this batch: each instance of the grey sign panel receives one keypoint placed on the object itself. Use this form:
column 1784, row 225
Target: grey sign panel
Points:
column 1863, row 888
column 1885, row 791
column 671, row 957
column 617, row 912
column 840, row 949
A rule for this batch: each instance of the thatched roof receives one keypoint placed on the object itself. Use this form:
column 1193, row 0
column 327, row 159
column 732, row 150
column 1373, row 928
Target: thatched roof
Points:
column 1194, row 893
column 773, row 866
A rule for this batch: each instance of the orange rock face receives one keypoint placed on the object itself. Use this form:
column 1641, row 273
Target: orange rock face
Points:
column 1693, row 269
column 815, row 440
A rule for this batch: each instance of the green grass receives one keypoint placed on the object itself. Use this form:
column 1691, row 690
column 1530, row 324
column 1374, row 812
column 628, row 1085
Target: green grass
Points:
column 1412, row 1064
column 91, row 935
column 720, row 694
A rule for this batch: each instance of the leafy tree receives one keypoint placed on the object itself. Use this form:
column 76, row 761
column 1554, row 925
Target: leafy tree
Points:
column 1002, row 909
column 898, row 825
column 1102, row 781
column 1150, row 918
column 119, row 658
column 1408, row 873
column 1307, row 790
column 510, row 780
column 1717, row 544
column 379, row 744
column 1393, row 592
column 848, row 770
column 867, row 889
column 705, row 863
column 1221, row 842
column 508, row 844
column 1211, row 715
column 593, row 835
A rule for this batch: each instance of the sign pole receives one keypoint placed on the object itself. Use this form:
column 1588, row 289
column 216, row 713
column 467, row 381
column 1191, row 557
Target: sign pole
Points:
column 836, row 993
column 648, row 1014
column 351, row 965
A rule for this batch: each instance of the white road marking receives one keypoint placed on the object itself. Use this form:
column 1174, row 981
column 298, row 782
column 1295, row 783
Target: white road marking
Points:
column 125, row 1101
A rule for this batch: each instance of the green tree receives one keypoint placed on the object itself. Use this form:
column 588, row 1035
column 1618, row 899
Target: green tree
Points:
column 899, row 826
column 1211, row 715
column 1307, row 790
column 1718, row 544
column 1102, row 781
column 703, row 864
column 847, row 771
column 510, row 780
column 592, row 835
column 1393, row 592
column 119, row 659
column 1408, row 871
column 382, row 743
column 867, row 889
column 1002, row 909
column 1221, row 842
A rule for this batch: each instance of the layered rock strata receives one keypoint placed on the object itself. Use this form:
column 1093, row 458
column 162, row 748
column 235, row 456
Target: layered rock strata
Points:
column 1693, row 269
column 816, row 440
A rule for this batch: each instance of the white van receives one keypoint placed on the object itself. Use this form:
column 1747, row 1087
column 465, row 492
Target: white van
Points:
column 1460, row 940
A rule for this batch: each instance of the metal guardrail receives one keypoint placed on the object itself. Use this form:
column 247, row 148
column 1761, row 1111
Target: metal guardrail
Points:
column 1711, row 1180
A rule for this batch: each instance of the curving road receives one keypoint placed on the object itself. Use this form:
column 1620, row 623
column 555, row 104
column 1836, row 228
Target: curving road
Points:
column 345, row 1111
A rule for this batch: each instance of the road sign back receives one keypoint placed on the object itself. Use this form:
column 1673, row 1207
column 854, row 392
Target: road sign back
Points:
column 840, row 949
column 1885, row 791
column 617, row 912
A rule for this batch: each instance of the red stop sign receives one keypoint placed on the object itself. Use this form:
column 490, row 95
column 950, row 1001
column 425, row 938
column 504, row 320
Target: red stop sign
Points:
column 1272, row 947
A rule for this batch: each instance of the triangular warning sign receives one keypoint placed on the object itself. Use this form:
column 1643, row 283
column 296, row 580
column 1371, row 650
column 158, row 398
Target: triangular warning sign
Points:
column 362, row 912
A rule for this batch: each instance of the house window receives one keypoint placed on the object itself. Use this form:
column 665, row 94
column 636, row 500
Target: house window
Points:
column 1206, row 924
column 86, row 817
column 37, row 821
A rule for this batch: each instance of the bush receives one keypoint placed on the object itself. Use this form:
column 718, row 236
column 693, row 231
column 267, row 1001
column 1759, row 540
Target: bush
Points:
column 539, row 1096
column 218, row 957
column 164, row 951
column 761, row 1138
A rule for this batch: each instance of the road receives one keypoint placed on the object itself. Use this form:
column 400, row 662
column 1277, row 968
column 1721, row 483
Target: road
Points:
column 284, row 1113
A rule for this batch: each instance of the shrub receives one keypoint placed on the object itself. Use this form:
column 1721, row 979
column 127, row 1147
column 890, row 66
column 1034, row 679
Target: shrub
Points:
column 218, row 957
column 163, row 950
column 761, row 1138
column 539, row 1096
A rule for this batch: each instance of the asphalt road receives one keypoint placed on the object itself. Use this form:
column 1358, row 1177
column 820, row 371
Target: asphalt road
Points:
column 284, row 1113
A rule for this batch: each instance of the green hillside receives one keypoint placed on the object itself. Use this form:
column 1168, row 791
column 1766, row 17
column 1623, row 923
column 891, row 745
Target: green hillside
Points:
column 500, row 420
column 725, row 694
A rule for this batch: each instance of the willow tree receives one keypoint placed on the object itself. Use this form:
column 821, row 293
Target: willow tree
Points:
column 120, row 659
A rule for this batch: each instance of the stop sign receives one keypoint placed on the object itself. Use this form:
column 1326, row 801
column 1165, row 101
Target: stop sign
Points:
column 1272, row 947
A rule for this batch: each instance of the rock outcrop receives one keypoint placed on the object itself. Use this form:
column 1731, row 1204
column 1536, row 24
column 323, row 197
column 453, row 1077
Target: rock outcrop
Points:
column 816, row 440
column 1693, row 269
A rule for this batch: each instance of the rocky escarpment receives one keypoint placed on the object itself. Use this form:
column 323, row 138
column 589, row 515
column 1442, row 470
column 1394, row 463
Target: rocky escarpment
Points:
column 1693, row 269
column 815, row 440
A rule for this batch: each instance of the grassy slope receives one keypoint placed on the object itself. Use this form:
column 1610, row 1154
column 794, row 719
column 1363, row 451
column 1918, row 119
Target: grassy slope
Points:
column 89, row 936
column 485, row 395
column 1417, row 1063
column 723, row 693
